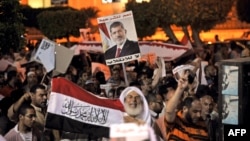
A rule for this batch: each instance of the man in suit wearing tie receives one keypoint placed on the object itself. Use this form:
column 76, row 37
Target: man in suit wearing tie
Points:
column 123, row 46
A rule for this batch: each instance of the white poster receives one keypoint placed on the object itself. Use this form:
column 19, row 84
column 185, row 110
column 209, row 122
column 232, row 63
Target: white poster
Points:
column 46, row 54
column 119, row 38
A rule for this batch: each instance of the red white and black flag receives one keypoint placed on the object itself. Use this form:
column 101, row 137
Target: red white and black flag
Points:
column 73, row 109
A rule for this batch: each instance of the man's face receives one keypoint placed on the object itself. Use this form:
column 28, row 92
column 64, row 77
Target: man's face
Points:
column 133, row 104
column 133, row 75
column 84, row 76
column 32, row 79
column 207, row 105
column 193, row 114
column 116, row 75
column 158, row 104
column 211, row 71
column 118, row 34
column 29, row 118
column 39, row 99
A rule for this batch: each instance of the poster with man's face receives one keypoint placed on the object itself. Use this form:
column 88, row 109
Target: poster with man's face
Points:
column 230, row 109
column 230, row 77
column 119, row 38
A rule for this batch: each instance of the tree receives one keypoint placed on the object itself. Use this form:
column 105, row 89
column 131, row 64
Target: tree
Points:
column 199, row 15
column 61, row 23
column 243, row 10
column 92, row 13
column 207, row 14
column 30, row 14
column 11, row 27
column 145, row 21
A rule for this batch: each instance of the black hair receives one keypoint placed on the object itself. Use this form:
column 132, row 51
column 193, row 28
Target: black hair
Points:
column 151, row 97
column 35, row 87
column 203, row 90
column 23, row 108
column 115, row 24
column 162, row 89
column 135, row 83
column 11, row 74
column 119, row 90
column 100, row 76
column 171, row 82
column 188, row 101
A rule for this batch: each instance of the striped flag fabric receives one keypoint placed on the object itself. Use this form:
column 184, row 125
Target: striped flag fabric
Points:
column 73, row 109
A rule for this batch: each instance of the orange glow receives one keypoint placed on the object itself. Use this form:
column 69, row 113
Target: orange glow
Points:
column 26, row 49
column 140, row 1
column 118, row 7
column 24, row 2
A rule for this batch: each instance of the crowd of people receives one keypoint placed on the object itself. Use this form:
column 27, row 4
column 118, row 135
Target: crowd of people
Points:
column 176, row 109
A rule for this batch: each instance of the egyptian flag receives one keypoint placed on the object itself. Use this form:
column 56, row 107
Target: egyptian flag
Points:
column 73, row 109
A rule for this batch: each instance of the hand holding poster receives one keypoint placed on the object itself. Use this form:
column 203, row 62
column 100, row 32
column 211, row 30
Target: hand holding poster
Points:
column 119, row 38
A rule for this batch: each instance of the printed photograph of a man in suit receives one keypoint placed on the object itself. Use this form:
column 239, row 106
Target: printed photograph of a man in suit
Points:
column 123, row 46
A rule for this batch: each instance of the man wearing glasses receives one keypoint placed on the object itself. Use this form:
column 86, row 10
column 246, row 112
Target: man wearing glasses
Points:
column 24, row 129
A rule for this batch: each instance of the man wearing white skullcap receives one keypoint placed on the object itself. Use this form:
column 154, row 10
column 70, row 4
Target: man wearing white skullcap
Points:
column 135, row 105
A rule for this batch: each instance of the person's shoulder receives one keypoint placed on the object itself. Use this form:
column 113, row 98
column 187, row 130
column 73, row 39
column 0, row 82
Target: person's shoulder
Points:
column 2, row 138
column 111, row 49
column 11, row 134
column 109, row 53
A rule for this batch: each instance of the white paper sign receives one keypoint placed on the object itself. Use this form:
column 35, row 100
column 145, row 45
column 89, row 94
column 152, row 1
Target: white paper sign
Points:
column 46, row 54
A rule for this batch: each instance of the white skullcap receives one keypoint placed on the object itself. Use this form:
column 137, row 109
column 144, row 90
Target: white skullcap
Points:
column 30, row 73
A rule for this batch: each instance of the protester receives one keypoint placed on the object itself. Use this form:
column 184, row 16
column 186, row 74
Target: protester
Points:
column 25, row 129
column 30, row 81
column 136, row 106
column 37, row 97
column 188, row 118
column 12, row 92
column 209, row 116
column 155, row 103
column 116, row 79
column 12, row 83
column 82, row 78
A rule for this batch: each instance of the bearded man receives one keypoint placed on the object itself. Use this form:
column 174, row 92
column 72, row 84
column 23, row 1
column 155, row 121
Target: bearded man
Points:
column 135, row 105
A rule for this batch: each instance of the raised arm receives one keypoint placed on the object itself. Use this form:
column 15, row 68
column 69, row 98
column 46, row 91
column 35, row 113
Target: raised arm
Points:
column 158, row 75
column 173, row 102
column 12, row 111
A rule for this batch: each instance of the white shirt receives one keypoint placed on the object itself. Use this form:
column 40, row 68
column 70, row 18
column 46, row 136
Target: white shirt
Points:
column 25, row 136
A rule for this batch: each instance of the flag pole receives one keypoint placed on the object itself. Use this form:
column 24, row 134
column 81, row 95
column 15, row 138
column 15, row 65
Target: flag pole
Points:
column 125, row 74
column 43, row 78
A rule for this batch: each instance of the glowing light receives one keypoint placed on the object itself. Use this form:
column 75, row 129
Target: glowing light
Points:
column 140, row 1
column 36, row 3
column 39, row 3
